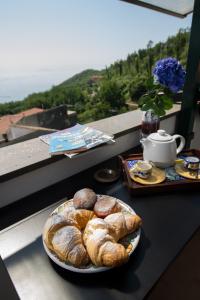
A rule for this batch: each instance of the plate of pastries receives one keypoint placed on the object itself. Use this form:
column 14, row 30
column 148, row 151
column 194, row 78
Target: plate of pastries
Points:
column 91, row 233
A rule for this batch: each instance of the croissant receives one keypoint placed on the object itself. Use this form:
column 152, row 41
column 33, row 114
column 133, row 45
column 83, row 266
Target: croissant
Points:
column 123, row 223
column 101, row 237
column 101, row 245
column 53, row 223
column 68, row 245
column 80, row 217
column 62, row 235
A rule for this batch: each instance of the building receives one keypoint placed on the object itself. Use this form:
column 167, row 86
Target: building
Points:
column 33, row 123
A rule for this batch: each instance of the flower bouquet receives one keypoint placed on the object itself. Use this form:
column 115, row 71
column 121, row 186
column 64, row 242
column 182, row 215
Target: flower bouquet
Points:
column 169, row 77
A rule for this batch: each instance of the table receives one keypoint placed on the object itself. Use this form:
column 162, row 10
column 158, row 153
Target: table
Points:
column 6, row 286
column 181, row 280
column 169, row 220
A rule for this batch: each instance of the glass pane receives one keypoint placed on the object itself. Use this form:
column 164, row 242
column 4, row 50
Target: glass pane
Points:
column 179, row 6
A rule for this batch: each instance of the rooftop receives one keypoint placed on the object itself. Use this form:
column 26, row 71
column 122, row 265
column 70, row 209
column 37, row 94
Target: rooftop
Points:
column 8, row 120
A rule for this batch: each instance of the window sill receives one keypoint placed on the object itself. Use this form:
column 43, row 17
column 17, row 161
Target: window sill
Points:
column 28, row 167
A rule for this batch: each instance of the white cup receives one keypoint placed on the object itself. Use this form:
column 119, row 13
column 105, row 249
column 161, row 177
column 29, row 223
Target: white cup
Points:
column 142, row 169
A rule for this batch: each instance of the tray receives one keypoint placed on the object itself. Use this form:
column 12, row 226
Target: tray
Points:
column 131, row 239
column 177, row 184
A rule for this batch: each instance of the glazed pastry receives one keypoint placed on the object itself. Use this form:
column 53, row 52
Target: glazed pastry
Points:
column 105, row 206
column 101, row 245
column 68, row 245
column 123, row 223
column 85, row 198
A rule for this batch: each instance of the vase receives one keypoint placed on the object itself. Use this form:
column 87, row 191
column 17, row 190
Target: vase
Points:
column 150, row 123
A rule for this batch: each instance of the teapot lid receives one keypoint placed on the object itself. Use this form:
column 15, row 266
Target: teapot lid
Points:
column 161, row 136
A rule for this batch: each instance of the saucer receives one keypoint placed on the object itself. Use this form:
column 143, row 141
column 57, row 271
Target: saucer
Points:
column 181, row 170
column 157, row 176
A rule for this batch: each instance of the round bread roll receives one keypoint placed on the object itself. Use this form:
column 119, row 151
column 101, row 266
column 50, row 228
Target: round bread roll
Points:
column 105, row 206
column 85, row 198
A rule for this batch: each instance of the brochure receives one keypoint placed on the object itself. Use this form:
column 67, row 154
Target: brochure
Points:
column 74, row 140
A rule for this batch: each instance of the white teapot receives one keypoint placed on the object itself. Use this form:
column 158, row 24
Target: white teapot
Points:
column 160, row 148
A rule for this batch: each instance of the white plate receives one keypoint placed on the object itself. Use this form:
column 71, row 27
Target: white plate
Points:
column 132, row 239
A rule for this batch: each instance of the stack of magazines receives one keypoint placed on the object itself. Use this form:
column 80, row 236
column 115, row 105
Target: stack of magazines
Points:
column 74, row 140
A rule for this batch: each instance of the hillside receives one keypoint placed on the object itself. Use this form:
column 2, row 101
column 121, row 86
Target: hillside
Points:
column 81, row 78
column 95, row 94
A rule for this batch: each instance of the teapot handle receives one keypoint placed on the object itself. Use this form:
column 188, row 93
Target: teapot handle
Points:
column 182, row 144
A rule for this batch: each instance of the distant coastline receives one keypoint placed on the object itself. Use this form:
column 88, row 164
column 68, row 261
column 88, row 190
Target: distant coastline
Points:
column 17, row 87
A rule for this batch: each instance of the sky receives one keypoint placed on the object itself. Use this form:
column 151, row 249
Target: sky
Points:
column 44, row 42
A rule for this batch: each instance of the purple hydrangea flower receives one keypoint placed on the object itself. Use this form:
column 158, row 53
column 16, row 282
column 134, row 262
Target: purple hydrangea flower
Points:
column 170, row 73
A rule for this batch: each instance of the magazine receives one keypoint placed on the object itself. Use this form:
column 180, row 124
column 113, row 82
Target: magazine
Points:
column 74, row 140
column 66, row 142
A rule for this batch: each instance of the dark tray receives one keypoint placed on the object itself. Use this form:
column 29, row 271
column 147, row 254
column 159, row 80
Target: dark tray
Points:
column 167, row 185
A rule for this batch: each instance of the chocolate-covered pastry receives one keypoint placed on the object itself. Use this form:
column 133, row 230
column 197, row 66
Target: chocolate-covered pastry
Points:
column 105, row 206
column 85, row 198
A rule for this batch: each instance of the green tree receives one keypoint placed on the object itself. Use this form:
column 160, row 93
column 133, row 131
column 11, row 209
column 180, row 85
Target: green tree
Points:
column 111, row 91
column 137, row 88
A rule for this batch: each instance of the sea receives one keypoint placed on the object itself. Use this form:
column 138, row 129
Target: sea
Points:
column 14, row 87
